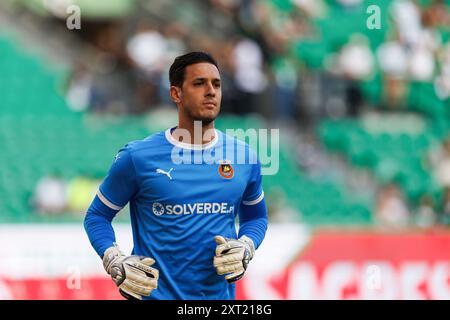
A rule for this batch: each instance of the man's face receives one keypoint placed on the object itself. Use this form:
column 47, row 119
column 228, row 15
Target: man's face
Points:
column 201, row 92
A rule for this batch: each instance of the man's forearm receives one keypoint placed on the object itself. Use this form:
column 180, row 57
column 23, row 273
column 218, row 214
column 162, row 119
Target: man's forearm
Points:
column 97, row 224
column 253, row 222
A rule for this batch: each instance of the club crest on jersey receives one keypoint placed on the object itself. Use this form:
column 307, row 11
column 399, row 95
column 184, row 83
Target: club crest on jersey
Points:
column 226, row 169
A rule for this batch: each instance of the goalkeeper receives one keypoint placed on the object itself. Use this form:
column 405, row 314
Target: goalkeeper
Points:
column 182, row 212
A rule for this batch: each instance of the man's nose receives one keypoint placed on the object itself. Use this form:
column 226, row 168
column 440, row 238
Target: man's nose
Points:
column 210, row 91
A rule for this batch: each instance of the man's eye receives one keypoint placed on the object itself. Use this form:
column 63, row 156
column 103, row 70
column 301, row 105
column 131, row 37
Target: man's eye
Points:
column 197, row 84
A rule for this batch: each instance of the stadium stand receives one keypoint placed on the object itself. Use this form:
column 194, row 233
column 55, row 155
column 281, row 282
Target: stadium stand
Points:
column 40, row 134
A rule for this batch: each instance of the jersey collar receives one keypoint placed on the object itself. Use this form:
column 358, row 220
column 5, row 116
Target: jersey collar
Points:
column 189, row 146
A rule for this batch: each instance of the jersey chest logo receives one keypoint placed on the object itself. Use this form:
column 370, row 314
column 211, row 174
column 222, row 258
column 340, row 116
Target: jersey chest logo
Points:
column 167, row 173
column 226, row 169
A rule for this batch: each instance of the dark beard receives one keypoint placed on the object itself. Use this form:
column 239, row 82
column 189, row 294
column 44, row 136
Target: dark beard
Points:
column 205, row 120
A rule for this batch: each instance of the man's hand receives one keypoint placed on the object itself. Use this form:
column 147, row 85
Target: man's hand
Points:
column 132, row 274
column 233, row 256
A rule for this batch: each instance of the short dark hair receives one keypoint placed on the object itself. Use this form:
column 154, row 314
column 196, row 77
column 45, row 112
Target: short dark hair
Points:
column 178, row 67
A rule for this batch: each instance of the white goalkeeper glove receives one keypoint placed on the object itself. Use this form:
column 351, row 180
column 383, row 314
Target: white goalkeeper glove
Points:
column 132, row 274
column 232, row 256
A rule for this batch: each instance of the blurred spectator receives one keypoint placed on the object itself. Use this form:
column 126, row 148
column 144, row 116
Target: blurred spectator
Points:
column 425, row 216
column 442, row 82
column 285, row 88
column 355, row 59
column 50, row 195
column 438, row 14
column 440, row 161
column 407, row 16
column 113, row 87
column 392, row 59
column 147, row 49
column 395, row 93
column 79, row 89
column 391, row 211
column 421, row 64
column 355, row 63
column 445, row 216
column 249, row 75
column 175, row 35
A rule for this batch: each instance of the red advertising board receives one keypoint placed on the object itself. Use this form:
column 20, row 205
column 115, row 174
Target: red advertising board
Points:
column 324, row 265
column 365, row 265
column 95, row 288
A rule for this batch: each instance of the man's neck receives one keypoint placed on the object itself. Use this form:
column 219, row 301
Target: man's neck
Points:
column 199, row 133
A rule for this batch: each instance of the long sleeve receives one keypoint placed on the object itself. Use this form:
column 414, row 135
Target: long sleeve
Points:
column 253, row 222
column 253, row 211
column 97, row 224
column 118, row 187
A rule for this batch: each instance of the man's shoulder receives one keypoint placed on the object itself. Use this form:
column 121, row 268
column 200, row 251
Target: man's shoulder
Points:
column 150, row 144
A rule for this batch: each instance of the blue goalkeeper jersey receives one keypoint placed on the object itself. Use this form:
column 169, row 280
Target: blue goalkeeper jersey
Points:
column 181, row 196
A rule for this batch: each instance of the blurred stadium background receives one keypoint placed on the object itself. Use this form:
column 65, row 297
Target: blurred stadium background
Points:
column 360, row 90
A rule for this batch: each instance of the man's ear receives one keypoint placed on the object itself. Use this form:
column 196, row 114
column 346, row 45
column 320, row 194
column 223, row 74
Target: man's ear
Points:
column 175, row 94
